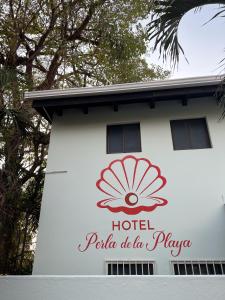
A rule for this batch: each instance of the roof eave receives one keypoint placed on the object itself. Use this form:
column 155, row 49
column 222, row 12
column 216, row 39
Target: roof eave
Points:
column 50, row 101
column 123, row 88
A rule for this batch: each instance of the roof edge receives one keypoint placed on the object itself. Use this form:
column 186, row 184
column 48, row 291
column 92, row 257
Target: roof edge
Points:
column 124, row 88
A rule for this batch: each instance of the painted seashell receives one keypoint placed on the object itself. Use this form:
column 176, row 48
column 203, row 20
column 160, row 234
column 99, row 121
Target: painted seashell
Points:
column 131, row 185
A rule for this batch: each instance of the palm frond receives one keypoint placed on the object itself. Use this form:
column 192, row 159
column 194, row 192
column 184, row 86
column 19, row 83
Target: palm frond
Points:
column 220, row 13
column 165, row 20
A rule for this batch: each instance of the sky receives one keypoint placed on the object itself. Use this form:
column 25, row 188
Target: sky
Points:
column 204, row 45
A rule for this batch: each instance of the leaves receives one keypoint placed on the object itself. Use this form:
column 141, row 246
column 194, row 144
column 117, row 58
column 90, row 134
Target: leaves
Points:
column 165, row 21
column 46, row 40
column 46, row 44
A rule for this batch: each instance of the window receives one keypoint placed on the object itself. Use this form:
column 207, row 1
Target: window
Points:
column 123, row 138
column 190, row 134
column 130, row 267
column 199, row 267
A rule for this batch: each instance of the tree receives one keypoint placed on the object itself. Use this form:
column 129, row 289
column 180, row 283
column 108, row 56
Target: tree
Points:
column 166, row 17
column 48, row 44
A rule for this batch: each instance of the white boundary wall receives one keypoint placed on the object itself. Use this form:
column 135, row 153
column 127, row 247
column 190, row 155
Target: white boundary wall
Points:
column 107, row 288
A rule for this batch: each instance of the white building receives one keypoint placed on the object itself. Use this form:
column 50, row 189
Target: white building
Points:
column 135, row 185
column 135, row 180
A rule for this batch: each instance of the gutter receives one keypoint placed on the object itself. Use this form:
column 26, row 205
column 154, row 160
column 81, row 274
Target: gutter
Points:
column 125, row 88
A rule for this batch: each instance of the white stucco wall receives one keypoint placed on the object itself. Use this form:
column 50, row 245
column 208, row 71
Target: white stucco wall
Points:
column 120, row 288
column 195, row 189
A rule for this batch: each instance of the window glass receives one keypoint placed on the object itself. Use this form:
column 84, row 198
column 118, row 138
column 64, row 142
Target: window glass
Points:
column 114, row 267
column 115, row 139
column 199, row 134
column 181, row 138
column 132, row 141
column 123, row 138
column 126, row 269
column 120, row 269
column 190, row 134
column 139, row 269
column 133, row 269
column 145, row 269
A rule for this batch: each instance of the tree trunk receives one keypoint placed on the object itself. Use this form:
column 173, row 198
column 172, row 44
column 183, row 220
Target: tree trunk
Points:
column 24, row 241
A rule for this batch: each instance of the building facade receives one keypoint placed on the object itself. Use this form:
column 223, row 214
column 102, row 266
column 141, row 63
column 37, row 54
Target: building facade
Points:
column 135, row 180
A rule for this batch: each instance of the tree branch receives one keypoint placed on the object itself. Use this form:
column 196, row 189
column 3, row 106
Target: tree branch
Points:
column 82, row 27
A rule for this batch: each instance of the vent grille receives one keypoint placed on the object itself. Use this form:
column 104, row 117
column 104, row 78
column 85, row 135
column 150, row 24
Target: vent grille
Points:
column 198, row 267
column 130, row 267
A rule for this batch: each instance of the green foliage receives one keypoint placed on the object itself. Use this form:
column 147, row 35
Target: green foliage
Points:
column 46, row 44
column 50, row 42
column 166, row 17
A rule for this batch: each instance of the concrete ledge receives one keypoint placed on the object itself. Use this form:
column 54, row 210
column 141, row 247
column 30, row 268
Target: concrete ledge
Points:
column 107, row 288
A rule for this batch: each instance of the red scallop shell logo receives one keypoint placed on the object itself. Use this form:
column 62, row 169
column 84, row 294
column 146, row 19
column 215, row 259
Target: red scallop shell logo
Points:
column 131, row 185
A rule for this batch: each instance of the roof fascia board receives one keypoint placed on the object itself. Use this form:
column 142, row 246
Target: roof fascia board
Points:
column 141, row 96
column 124, row 88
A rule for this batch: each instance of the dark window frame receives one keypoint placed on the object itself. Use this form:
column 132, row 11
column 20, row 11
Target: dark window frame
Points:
column 189, row 131
column 124, row 127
